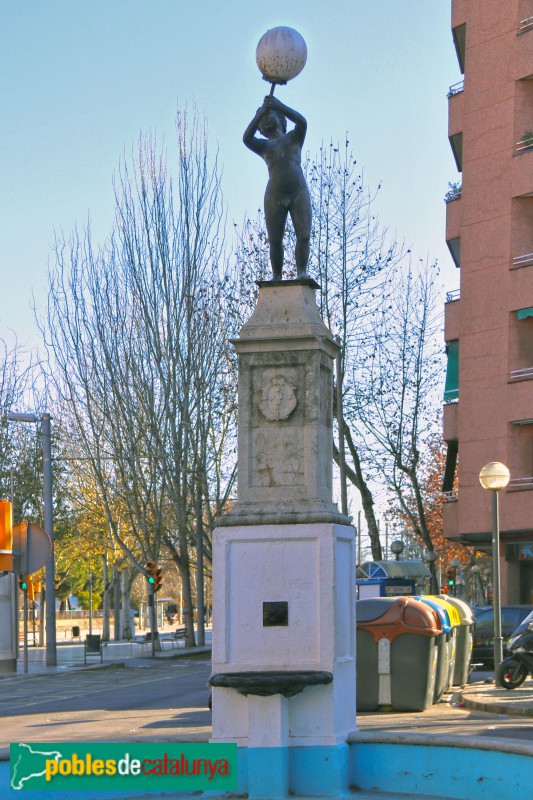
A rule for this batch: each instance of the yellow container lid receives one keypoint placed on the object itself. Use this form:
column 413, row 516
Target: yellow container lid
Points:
column 455, row 619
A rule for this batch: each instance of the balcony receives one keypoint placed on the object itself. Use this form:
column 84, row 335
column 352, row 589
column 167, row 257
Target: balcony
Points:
column 455, row 122
column 525, row 142
column 524, row 374
column 454, row 192
column 451, row 316
column 456, row 88
column 450, row 519
column 525, row 260
column 525, row 25
column 522, row 171
column 520, row 484
column 454, row 217
column 518, row 401
column 450, row 426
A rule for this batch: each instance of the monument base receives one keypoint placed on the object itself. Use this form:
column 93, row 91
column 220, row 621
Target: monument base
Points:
column 283, row 678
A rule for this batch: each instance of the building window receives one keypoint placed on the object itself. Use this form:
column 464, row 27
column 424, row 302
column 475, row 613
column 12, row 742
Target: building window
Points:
column 521, row 465
column 451, row 388
column 450, row 471
column 521, row 345
column 522, row 231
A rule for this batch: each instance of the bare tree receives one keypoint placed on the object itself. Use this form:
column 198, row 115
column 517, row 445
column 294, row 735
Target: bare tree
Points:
column 14, row 441
column 393, row 388
column 137, row 334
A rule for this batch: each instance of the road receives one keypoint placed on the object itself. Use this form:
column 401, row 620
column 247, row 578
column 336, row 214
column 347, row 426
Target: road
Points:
column 167, row 701
column 160, row 701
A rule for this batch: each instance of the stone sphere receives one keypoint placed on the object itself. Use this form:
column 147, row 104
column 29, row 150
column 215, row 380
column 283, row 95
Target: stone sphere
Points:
column 281, row 54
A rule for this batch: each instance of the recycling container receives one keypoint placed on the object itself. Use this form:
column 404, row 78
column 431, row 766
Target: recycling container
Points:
column 446, row 650
column 464, row 641
column 397, row 653
column 455, row 622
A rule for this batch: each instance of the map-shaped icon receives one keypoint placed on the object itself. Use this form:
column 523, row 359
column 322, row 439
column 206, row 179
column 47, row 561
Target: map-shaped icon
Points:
column 28, row 762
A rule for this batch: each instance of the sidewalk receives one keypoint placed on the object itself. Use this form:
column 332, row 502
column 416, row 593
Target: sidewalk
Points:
column 480, row 695
column 483, row 696
column 70, row 656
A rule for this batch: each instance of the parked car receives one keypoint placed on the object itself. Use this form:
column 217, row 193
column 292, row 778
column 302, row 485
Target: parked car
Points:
column 483, row 637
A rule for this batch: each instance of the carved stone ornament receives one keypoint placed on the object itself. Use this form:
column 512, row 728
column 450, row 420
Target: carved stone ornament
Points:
column 278, row 399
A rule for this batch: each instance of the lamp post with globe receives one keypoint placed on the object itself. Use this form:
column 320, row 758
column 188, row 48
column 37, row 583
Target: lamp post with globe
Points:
column 280, row 55
column 397, row 547
column 494, row 477
column 430, row 556
column 475, row 582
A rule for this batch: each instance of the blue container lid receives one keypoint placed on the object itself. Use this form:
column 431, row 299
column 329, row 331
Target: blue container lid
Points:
column 443, row 614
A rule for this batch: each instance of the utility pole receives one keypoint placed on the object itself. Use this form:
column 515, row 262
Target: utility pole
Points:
column 51, row 645
column 50, row 590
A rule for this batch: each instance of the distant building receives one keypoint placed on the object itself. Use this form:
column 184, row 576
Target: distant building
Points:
column 488, row 411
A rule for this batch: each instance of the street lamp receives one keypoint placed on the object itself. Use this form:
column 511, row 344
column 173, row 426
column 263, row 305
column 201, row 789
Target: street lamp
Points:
column 494, row 477
column 475, row 579
column 397, row 547
column 430, row 556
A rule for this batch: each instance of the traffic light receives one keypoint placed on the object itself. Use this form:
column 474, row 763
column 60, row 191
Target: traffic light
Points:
column 450, row 579
column 6, row 536
column 151, row 569
column 158, row 579
column 29, row 585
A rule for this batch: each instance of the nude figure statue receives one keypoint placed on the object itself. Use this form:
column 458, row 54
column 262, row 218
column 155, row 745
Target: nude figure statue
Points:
column 286, row 191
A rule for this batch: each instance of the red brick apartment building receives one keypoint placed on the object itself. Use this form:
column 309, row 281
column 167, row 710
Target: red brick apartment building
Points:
column 488, row 411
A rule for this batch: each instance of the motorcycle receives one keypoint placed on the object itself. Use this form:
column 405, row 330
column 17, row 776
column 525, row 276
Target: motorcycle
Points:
column 513, row 671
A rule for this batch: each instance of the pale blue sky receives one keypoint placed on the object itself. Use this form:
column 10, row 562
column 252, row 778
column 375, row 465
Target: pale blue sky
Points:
column 82, row 78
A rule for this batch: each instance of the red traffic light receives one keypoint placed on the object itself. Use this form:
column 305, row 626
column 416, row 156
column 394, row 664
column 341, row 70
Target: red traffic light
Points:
column 158, row 579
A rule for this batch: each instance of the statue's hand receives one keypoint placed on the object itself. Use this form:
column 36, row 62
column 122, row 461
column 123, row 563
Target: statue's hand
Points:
column 271, row 102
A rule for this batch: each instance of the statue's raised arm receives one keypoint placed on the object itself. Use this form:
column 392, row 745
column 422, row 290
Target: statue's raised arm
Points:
column 286, row 191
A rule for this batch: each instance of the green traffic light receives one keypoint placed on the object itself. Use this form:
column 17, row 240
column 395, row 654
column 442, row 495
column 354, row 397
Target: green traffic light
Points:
column 23, row 585
column 151, row 579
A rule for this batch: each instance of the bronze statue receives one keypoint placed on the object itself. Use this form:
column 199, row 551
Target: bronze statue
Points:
column 286, row 191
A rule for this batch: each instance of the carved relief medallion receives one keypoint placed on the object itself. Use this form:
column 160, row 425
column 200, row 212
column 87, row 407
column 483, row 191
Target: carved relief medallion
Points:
column 278, row 398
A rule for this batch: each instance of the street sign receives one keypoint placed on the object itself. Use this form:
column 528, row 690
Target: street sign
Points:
column 32, row 548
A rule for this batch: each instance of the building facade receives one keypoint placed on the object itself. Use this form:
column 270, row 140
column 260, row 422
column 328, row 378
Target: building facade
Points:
column 488, row 402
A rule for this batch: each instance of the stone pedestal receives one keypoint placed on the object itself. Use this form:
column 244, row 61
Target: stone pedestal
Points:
column 284, row 561
column 286, row 357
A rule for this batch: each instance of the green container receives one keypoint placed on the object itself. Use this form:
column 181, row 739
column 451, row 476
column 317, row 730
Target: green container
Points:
column 397, row 651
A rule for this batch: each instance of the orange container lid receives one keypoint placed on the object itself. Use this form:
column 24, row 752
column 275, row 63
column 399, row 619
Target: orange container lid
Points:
column 395, row 617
